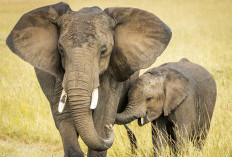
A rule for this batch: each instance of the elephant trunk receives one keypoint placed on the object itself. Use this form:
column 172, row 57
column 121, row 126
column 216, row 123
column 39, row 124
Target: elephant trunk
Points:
column 128, row 115
column 79, row 86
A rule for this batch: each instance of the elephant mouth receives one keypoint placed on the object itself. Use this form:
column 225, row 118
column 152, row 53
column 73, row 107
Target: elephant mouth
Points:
column 143, row 120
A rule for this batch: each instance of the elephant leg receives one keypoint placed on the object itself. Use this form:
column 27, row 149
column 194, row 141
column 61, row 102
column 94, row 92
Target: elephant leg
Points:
column 159, row 135
column 182, row 132
column 92, row 153
column 199, row 135
column 172, row 142
column 64, row 123
column 68, row 132
column 70, row 140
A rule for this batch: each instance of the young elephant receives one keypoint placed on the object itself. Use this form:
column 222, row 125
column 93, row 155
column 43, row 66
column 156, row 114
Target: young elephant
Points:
column 176, row 96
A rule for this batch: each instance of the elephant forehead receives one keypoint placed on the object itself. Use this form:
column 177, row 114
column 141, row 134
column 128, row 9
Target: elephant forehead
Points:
column 149, row 79
column 79, row 28
column 77, row 31
column 146, row 84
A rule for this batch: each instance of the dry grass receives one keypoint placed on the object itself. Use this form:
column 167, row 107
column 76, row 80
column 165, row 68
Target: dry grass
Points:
column 202, row 32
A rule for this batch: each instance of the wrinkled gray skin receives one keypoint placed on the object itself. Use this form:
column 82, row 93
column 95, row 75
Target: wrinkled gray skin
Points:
column 83, row 50
column 174, row 96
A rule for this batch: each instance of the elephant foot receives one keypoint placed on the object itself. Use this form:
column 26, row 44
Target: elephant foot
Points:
column 92, row 153
column 74, row 153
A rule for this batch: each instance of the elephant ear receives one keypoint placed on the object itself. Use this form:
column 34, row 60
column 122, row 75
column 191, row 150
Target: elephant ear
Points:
column 140, row 37
column 176, row 87
column 34, row 38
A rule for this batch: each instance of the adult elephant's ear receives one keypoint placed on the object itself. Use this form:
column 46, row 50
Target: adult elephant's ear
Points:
column 34, row 38
column 140, row 37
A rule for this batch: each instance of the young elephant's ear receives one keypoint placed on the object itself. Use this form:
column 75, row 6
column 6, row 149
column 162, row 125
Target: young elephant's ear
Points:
column 140, row 37
column 176, row 88
column 34, row 38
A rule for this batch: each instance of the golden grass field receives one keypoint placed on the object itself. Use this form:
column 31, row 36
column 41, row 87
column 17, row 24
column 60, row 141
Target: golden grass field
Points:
column 202, row 32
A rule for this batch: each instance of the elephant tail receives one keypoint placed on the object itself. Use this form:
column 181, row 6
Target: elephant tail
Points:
column 132, row 138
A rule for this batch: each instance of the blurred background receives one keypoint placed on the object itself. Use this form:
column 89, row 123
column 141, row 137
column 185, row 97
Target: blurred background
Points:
column 202, row 32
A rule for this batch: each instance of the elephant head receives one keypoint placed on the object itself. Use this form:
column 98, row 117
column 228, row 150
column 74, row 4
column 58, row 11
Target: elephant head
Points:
column 77, row 47
column 157, row 92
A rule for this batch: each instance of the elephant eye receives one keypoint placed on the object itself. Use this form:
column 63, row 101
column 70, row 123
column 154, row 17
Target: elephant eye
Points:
column 61, row 50
column 149, row 99
column 103, row 51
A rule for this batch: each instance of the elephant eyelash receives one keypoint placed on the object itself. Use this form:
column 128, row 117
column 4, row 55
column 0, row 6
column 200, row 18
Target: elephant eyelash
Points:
column 149, row 99
column 103, row 51
column 61, row 50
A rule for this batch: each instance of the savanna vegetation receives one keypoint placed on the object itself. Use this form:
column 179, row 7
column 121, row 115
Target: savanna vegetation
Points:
column 202, row 32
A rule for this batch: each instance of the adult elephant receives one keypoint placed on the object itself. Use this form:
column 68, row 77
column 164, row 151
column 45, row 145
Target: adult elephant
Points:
column 83, row 52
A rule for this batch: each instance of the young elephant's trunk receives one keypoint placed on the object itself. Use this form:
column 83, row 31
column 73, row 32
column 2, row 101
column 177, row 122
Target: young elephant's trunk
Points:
column 128, row 115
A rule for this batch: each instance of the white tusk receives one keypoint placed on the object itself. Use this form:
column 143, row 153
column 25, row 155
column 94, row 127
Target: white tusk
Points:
column 142, row 121
column 94, row 99
column 62, row 101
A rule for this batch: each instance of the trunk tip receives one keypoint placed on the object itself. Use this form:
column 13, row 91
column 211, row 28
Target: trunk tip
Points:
column 109, row 127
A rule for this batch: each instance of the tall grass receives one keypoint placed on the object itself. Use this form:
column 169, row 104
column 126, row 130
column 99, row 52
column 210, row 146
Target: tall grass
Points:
column 202, row 32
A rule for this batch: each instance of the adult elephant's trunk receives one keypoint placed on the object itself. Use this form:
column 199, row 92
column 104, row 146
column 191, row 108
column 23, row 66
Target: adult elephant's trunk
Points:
column 79, row 86
column 128, row 115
